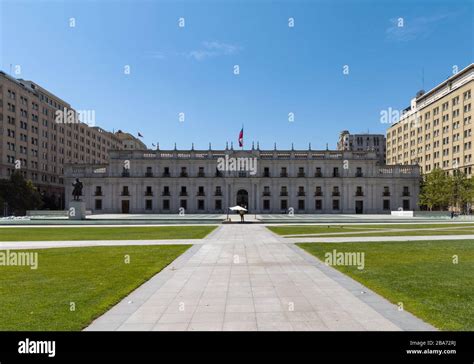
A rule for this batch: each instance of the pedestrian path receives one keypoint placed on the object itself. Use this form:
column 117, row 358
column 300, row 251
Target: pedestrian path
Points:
column 244, row 277
column 255, row 235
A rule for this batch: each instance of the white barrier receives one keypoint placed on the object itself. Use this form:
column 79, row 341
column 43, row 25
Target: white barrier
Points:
column 402, row 213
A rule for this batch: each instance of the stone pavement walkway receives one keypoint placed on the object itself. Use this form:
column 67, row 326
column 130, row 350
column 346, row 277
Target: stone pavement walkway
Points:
column 257, row 234
column 244, row 277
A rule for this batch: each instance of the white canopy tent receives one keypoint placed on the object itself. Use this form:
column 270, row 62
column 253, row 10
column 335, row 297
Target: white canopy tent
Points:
column 235, row 208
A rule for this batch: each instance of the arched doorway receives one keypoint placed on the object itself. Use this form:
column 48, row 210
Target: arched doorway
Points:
column 243, row 198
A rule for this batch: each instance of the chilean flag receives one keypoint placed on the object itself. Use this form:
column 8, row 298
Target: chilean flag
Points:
column 241, row 138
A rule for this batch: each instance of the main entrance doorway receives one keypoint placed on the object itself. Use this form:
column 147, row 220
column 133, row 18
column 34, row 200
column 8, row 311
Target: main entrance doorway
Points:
column 243, row 198
column 359, row 207
column 125, row 206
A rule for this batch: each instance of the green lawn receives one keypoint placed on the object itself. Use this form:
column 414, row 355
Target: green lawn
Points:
column 104, row 233
column 467, row 231
column 326, row 229
column 420, row 274
column 94, row 278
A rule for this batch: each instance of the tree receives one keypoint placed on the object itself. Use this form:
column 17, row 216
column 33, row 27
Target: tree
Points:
column 435, row 190
column 20, row 194
column 462, row 191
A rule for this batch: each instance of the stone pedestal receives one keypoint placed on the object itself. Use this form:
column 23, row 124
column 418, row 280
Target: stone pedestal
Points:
column 77, row 210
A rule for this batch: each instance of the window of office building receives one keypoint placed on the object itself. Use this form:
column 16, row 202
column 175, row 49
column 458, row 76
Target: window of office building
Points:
column 166, row 204
column 318, row 205
column 335, row 204
column 218, row 205
column 98, row 204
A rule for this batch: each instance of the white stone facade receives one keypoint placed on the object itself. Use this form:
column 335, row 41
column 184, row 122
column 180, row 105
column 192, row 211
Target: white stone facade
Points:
column 301, row 181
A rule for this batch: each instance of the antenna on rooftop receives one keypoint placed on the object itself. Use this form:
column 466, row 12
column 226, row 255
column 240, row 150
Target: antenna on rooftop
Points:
column 423, row 78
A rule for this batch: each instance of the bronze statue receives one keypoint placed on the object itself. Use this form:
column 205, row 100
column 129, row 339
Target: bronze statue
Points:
column 77, row 191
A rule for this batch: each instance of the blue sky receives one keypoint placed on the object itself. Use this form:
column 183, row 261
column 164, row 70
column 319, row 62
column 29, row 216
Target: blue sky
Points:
column 283, row 70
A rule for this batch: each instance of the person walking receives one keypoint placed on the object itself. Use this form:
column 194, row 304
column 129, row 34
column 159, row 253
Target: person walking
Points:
column 241, row 213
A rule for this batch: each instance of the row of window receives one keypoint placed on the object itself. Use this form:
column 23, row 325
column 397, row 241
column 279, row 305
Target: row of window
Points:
column 201, row 205
column 456, row 137
column 34, row 129
column 55, row 126
column 266, row 172
column 266, row 191
column 427, row 115
column 36, row 177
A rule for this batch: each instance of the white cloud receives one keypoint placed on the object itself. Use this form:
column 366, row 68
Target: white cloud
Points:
column 207, row 50
column 213, row 49
column 414, row 28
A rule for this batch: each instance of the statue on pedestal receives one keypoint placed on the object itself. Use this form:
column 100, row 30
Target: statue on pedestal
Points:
column 77, row 191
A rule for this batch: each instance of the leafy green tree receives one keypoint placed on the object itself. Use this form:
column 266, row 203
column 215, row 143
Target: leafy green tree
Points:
column 20, row 194
column 435, row 190
column 462, row 191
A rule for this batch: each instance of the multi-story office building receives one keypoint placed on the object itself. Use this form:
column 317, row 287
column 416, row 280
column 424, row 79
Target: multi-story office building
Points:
column 266, row 181
column 436, row 131
column 36, row 142
column 129, row 142
column 362, row 142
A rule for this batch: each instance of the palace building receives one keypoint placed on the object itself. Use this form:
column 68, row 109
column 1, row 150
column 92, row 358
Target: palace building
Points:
column 265, row 181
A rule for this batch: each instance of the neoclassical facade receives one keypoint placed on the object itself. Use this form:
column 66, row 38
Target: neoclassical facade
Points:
column 265, row 181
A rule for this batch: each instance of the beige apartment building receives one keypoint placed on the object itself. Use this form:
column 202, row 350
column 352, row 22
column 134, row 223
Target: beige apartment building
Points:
column 129, row 142
column 33, row 141
column 362, row 142
column 436, row 131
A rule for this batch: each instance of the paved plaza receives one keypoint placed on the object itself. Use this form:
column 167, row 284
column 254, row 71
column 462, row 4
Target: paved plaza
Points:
column 244, row 277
